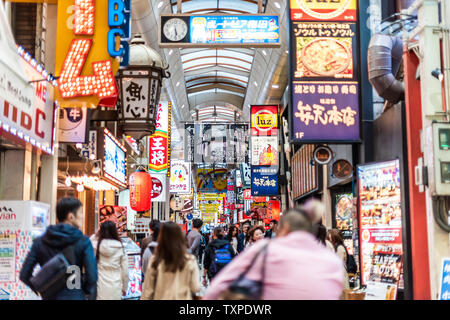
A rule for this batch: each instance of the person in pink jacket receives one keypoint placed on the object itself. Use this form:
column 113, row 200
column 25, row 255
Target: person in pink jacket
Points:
column 297, row 266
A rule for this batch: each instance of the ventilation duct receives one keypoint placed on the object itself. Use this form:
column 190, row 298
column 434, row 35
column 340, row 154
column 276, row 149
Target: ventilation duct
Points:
column 384, row 58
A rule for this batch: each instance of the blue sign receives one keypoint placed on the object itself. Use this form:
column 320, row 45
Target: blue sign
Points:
column 119, row 18
column 115, row 160
column 264, row 181
column 189, row 216
column 445, row 282
column 257, row 29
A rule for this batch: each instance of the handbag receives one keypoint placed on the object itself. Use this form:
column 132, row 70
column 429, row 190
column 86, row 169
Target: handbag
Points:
column 244, row 288
column 52, row 277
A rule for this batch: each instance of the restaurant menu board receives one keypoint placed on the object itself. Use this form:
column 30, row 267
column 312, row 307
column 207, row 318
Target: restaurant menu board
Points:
column 380, row 215
column 344, row 206
column 336, row 10
column 116, row 214
column 324, row 72
column 239, row 29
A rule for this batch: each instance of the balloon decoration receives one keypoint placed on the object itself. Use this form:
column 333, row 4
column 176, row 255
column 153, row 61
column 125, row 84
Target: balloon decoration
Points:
column 140, row 185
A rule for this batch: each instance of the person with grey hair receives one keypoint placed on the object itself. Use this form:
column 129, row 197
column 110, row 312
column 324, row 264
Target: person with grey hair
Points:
column 292, row 266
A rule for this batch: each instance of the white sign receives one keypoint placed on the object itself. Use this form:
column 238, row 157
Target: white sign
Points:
column 180, row 177
column 124, row 201
column 8, row 258
column 142, row 225
column 162, row 116
column 73, row 125
column 159, row 187
column 381, row 291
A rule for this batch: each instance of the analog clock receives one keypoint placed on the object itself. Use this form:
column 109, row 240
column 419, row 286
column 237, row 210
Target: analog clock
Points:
column 342, row 169
column 175, row 29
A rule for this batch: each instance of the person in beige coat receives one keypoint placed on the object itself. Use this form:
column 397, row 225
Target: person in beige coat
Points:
column 172, row 273
column 112, row 263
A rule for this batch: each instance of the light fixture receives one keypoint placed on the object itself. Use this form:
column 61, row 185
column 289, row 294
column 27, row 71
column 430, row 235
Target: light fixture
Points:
column 275, row 86
column 182, row 106
column 80, row 188
column 277, row 5
column 97, row 167
column 287, row 51
column 170, row 52
column 68, row 182
column 264, row 52
column 178, row 83
column 160, row 4
column 437, row 74
column 255, row 83
column 79, row 145
column 92, row 156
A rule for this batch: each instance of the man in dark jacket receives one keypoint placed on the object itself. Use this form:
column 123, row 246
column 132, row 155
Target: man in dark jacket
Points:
column 211, row 265
column 272, row 232
column 242, row 236
column 69, row 212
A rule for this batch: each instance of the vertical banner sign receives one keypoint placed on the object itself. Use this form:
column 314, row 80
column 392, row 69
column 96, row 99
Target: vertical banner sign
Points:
column 264, row 150
column 88, row 43
column 180, row 177
column 159, row 143
column 324, row 71
column 159, row 188
column 380, row 209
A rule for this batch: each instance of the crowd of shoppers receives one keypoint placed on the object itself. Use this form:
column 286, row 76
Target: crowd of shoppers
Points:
column 296, row 258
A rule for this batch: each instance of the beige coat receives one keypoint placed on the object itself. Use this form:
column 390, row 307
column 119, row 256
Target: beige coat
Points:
column 112, row 270
column 163, row 285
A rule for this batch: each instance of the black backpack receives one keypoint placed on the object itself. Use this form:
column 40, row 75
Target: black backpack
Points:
column 53, row 276
column 351, row 265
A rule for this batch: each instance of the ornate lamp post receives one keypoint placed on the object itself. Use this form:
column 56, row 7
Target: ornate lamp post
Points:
column 140, row 89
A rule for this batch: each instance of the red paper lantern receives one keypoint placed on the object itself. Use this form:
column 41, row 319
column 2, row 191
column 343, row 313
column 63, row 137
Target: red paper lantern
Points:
column 140, row 191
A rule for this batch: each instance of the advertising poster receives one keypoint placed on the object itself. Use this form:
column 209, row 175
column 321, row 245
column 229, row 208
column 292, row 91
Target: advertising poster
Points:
column 238, row 29
column 180, row 177
column 134, row 289
column 265, row 151
column 116, row 214
column 115, row 156
column 324, row 50
column 211, row 180
column 7, row 258
column 341, row 10
column 344, row 221
column 264, row 120
column 258, row 210
column 158, row 187
column 264, row 181
column 380, row 213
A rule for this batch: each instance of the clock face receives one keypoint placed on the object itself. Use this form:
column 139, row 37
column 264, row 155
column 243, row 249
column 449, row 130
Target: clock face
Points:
column 342, row 169
column 175, row 29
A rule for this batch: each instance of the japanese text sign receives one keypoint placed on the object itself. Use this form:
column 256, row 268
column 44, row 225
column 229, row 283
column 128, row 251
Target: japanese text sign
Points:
column 159, row 188
column 325, row 111
column 180, row 177
column 330, row 10
column 264, row 181
column 159, row 143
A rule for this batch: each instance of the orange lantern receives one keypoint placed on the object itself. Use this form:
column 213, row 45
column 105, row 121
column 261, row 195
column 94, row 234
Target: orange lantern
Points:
column 140, row 185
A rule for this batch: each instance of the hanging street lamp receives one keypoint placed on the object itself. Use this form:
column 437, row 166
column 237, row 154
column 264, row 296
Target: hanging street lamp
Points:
column 140, row 89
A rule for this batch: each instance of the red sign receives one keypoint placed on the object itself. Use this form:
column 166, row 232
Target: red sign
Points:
column 157, row 188
column 264, row 120
column 158, row 152
column 248, row 194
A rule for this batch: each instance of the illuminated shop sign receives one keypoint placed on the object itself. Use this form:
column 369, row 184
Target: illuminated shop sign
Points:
column 264, row 120
column 331, row 10
column 212, row 30
column 27, row 111
column 159, row 142
column 180, row 177
column 86, row 50
column 114, row 163
column 324, row 73
column 325, row 111
column 264, row 181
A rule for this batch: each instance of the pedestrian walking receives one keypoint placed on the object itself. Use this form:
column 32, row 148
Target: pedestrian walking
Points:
column 172, row 273
column 233, row 237
column 243, row 236
column 194, row 238
column 322, row 236
column 150, row 250
column 293, row 266
column 218, row 254
column 146, row 241
column 272, row 232
column 63, row 241
column 112, row 263
column 255, row 234
column 337, row 241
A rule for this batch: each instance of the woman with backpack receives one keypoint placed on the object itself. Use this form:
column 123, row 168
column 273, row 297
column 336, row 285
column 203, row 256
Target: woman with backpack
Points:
column 335, row 237
column 112, row 263
column 172, row 273
column 218, row 254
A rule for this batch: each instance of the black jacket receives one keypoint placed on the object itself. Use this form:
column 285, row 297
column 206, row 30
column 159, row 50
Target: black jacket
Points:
column 268, row 233
column 241, row 242
column 56, row 239
column 208, row 261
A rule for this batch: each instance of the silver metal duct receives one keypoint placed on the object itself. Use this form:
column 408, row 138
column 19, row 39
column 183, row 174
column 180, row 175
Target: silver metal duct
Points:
column 384, row 59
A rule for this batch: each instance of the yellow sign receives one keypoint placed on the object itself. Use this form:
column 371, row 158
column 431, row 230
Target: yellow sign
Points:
column 36, row 1
column 93, row 49
column 334, row 10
